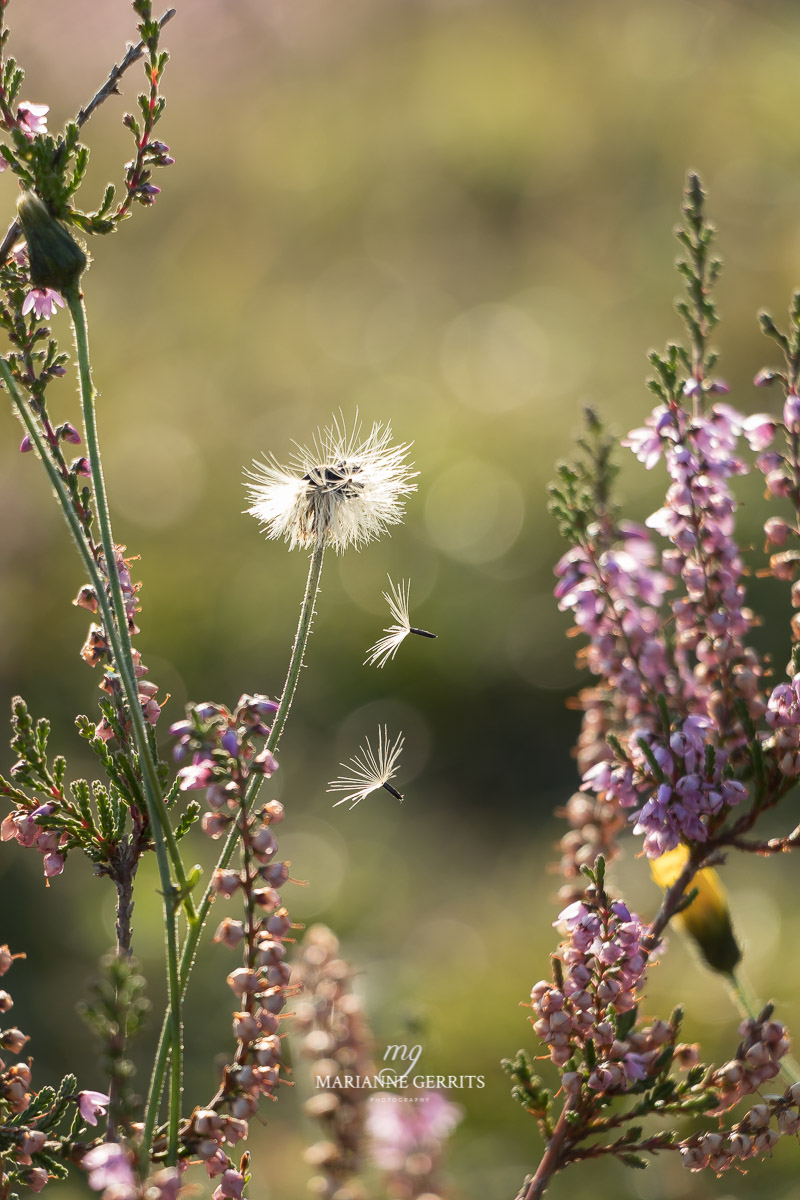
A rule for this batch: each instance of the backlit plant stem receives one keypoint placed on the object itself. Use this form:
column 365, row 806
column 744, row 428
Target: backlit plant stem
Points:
column 125, row 665
column 173, row 1025
column 196, row 924
column 163, row 835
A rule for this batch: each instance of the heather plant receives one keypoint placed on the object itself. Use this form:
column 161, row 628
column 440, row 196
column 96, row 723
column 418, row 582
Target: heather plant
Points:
column 346, row 489
column 688, row 739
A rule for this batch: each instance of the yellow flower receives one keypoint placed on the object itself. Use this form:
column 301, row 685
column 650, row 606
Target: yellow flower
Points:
column 707, row 920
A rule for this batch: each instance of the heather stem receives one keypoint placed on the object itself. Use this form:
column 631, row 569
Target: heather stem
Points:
column 173, row 1025
column 551, row 1159
column 195, row 929
column 166, row 847
column 125, row 664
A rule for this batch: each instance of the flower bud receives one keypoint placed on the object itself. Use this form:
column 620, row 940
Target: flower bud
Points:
column 57, row 261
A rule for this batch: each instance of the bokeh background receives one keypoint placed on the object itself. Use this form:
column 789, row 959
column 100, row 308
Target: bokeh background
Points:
column 455, row 216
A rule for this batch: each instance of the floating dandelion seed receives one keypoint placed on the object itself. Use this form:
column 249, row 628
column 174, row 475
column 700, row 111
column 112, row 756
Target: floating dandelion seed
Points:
column 369, row 771
column 341, row 491
column 386, row 647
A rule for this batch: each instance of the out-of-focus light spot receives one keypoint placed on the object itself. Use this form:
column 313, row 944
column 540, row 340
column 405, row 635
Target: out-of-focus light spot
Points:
column 170, row 683
column 444, row 940
column 537, row 648
column 173, row 482
column 356, row 313
column 757, row 919
column 474, row 511
column 365, row 578
column 495, row 358
column 318, row 854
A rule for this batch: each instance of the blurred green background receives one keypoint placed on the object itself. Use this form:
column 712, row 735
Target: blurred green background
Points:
column 457, row 217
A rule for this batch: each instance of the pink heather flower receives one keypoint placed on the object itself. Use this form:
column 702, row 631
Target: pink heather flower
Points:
column 108, row 1166
column 759, row 430
column 36, row 1179
column 68, row 433
column 32, row 117
column 217, row 1164
column 198, row 775
column 791, row 413
column 164, row 1185
column 398, row 1130
column 604, row 966
column 26, row 445
column 230, row 1186
column 92, row 1105
column 44, row 302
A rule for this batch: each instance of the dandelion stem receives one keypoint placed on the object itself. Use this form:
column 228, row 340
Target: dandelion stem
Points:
column 195, row 929
column 298, row 649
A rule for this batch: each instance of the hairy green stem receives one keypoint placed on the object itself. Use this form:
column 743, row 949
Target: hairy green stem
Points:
column 166, row 846
column 125, row 664
column 196, row 926
column 173, row 1027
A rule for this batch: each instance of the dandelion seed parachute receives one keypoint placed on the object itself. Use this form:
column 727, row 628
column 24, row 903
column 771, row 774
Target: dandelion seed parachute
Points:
column 369, row 770
column 386, row 647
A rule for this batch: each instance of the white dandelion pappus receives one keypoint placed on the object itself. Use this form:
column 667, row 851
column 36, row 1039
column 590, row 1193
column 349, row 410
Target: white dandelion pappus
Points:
column 343, row 490
column 369, row 771
column 386, row 647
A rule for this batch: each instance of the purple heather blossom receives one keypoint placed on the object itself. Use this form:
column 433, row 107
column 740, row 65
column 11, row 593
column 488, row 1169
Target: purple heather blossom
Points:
column 397, row 1130
column 26, row 445
column 759, row 430
column 603, row 967
column 675, row 801
column 617, row 591
column 44, row 302
column 198, row 775
column 92, row 1105
column 68, row 433
column 109, row 1166
column 230, row 1187
column 791, row 413
column 32, row 117
column 615, row 595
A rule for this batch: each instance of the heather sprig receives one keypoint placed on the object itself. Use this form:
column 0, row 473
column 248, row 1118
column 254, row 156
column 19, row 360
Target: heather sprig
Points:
column 334, row 1036
column 682, row 738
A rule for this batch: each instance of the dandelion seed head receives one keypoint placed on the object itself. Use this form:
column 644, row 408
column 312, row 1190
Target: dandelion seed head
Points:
column 342, row 490
column 369, row 770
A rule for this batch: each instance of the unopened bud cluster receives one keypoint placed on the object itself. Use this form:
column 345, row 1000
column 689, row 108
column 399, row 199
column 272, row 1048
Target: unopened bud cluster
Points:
column 598, row 975
column 18, row 1159
column 757, row 1060
column 754, row 1136
column 97, row 648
